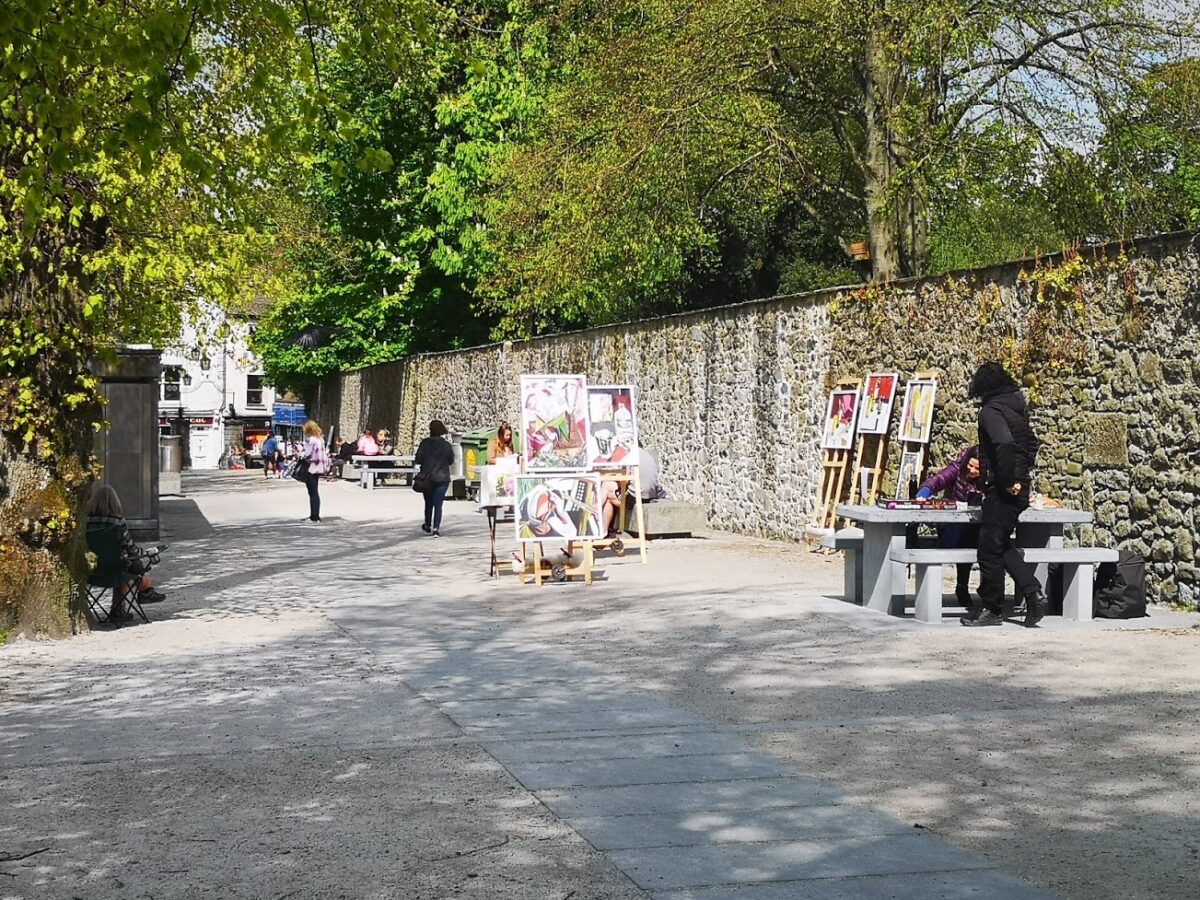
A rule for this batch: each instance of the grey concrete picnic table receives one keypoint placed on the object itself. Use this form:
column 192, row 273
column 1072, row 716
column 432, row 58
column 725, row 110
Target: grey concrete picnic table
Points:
column 885, row 582
column 370, row 467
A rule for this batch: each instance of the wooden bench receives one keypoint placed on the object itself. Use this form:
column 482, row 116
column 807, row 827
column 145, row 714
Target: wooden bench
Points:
column 1077, row 563
column 850, row 542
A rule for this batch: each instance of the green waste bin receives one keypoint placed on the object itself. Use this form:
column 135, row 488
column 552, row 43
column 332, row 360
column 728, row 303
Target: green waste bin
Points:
column 474, row 455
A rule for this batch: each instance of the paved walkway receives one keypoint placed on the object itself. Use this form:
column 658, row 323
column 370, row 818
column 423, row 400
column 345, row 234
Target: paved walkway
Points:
column 353, row 710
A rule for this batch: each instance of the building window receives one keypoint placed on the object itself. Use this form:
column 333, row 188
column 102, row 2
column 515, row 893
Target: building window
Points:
column 172, row 378
column 254, row 390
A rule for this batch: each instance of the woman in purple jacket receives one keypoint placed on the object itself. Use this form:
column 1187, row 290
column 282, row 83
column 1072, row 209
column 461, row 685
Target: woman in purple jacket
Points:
column 958, row 481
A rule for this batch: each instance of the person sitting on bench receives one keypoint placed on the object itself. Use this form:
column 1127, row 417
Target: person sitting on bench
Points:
column 958, row 481
column 104, row 511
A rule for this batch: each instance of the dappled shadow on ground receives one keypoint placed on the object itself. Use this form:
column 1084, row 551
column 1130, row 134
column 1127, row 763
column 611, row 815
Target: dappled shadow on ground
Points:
column 344, row 679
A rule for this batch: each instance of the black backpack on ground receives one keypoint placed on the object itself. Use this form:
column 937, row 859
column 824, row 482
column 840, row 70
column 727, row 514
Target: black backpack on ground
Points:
column 1120, row 589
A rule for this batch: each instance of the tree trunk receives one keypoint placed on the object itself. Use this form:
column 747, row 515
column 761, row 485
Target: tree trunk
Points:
column 48, row 406
column 883, row 225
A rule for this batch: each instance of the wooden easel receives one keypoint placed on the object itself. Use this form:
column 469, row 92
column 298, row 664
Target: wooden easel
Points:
column 537, row 567
column 870, row 460
column 632, row 479
column 917, row 447
column 833, row 472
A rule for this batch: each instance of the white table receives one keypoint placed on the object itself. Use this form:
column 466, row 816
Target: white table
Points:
column 885, row 582
column 371, row 467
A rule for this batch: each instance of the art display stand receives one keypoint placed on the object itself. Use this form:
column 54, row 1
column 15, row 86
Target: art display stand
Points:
column 921, row 449
column 870, row 461
column 834, row 472
column 539, row 568
column 630, row 479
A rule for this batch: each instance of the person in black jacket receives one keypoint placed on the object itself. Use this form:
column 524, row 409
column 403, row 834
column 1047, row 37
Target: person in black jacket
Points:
column 435, row 455
column 1007, row 451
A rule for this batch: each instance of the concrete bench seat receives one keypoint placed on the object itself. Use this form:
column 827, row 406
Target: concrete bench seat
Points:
column 669, row 518
column 849, row 541
column 1077, row 567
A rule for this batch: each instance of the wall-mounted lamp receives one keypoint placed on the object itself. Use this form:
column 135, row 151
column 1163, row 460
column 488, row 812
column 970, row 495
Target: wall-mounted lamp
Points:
column 205, row 363
column 187, row 379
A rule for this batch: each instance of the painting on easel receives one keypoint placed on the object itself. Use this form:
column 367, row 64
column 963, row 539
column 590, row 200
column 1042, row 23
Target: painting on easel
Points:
column 917, row 418
column 840, row 417
column 554, row 421
column 878, row 397
column 909, row 476
column 497, row 483
column 612, row 417
column 558, row 507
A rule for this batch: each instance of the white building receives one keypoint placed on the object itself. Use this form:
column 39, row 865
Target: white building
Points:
column 212, row 388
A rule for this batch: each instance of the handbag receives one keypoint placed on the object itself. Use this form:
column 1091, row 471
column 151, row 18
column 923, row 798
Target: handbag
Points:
column 300, row 470
column 422, row 482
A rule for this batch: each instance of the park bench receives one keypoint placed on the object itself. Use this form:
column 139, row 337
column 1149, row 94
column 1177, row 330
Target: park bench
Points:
column 372, row 469
column 1077, row 567
column 849, row 541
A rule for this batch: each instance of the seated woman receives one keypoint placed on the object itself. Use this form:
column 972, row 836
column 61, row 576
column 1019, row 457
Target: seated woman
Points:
column 383, row 438
column 104, row 511
column 958, row 481
column 367, row 445
column 501, row 443
column 237, row 457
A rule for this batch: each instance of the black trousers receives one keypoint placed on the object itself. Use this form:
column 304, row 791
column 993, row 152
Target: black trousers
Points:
column 998, row 553
column 311, row 480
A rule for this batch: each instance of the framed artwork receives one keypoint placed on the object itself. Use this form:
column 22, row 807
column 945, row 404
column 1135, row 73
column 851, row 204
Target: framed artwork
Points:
column 612, row 420
column 497, row 482
column 917, row 418
column 561, row 506
column 840, row 416
column 554, row 421
column 910, row 467
column 878, row 396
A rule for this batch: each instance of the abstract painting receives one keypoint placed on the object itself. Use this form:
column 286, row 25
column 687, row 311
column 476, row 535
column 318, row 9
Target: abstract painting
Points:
column 497, row 482
column 879, row 395
column 558, row 507
column 840, row 416
column 917, row 418
column 612, row 420
column 554, row 421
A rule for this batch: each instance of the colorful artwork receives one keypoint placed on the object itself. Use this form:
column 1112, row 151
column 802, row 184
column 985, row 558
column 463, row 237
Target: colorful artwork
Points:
column 917, row 418
column 910, row 469
column 497, row 482
column 554, row 421
column 612, row 420
column 878, row 396
column 558, row 507
column 840, row 416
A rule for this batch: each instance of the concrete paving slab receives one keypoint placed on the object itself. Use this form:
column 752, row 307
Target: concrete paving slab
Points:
column 614, row 719
column 648, row 770
column 671, row 867
column 736, row 826
column 673, row 743
column 980, row 885
column 759, row 793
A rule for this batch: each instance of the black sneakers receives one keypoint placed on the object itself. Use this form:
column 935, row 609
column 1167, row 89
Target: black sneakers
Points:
column 985, row 618
column 426, row 529
column 1035, row 606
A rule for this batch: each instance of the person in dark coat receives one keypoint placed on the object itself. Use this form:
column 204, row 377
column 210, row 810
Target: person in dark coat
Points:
column 1007, row 451
column 435, row 455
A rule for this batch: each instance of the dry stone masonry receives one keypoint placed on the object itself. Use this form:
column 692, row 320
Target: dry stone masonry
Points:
column 731, row 399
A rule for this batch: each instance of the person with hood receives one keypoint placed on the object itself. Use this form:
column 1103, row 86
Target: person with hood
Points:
column 959, row 481
column 1007, row 451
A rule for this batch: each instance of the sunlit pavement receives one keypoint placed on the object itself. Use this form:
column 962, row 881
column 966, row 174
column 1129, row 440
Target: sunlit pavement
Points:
column 356, row 710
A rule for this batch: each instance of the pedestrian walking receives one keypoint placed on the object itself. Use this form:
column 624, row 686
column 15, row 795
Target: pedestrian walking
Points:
column 1007, row 452
column 315, row 458
column 435, row 456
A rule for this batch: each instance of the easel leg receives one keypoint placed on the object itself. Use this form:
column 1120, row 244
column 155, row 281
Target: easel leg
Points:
column 491, row 514
column 537, row 563
column 587, row 563
column 638, row 513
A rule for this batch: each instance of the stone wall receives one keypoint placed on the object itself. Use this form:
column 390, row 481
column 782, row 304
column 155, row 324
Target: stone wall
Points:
column 730, row 399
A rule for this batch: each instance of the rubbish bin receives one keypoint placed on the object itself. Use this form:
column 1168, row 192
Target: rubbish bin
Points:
column 170, row 463
column 474, row 455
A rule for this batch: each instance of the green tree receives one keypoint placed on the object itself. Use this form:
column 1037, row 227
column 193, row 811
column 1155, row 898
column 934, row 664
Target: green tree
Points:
column 866, row 116
column 134, row 142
